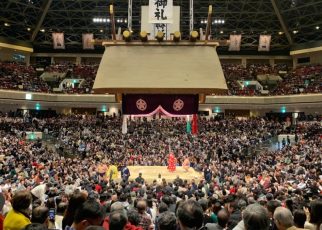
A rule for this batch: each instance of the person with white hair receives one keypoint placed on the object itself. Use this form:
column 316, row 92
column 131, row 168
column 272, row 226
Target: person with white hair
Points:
column 255, row 217
column 284, row 219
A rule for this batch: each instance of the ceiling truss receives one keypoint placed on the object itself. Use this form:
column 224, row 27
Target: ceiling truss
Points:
column 247, row 17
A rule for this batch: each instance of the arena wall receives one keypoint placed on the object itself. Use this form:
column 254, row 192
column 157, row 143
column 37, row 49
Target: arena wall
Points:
column 62, row 103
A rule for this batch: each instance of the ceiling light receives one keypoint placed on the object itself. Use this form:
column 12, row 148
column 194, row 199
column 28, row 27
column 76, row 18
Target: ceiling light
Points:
column 223, row 21
column 221, row 32
column 317, row 27
column 280, row 33
column 28, row 29
column 42, row 30
column 101, row 31
column 295, row 31
column 108, row 20
column 6, row 24
column 125, row 20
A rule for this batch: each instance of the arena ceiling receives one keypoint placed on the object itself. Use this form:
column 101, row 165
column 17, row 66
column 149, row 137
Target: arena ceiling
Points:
column 290, row 22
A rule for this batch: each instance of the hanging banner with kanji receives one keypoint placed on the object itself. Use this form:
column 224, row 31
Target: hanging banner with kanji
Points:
column 160, row 11
column 235, row 42
column 58, row 40
column 88, row 41
column 264, row 43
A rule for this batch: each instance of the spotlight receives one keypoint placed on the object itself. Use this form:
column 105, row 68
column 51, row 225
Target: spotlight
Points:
column 317, row 27
column 144, row 36
column 160, row 36
column 194, row 36
column 127, row 36
column 176, row 36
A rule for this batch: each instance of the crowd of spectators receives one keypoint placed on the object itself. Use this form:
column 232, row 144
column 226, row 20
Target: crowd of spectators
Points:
column 302, row 80
column 85, row 72
column 20, row 77
column 246, row 189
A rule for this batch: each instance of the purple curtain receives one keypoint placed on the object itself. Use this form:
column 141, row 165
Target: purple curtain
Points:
column 176, row 104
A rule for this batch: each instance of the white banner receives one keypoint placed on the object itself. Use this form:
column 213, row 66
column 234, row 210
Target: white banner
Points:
column 235, row 42
column 264, row 43
column 153, row 28
column 165, row 28
column 160, row 11
column 88, row 41
column 58, row 40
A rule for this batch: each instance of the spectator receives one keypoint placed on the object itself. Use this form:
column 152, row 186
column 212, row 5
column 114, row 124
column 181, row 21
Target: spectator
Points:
column 283, row 218
column 19, row 217
column 118, row 220
column 255, row 217
column 315, row 216
column 167, row 221
column 271, row 207
column 75, row 202
column 145, row 219
column 35, row 226
column 2, row 202
column 222, row 217
column 299, row 218
column 89, row 213
column 190, row 215
column 40, row 215
column 235, row 213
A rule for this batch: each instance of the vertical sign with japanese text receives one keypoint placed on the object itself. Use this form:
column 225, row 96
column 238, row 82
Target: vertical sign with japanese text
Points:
column 160, row 11
column 264, row 43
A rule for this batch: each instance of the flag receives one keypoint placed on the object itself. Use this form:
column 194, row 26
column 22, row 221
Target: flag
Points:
column 124, row 125
column 264, row 43
column 119, row 34
column 194, row 124
column 188, row 126
column 201, row 34
column 235, row 42
column 58, row 40
column 88, row 41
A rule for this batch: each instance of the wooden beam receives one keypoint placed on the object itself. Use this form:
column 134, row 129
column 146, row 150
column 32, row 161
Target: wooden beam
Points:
column 113, row 22
column 209, row 22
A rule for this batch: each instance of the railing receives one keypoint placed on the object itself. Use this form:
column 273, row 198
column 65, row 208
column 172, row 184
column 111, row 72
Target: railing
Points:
column 18, row 98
